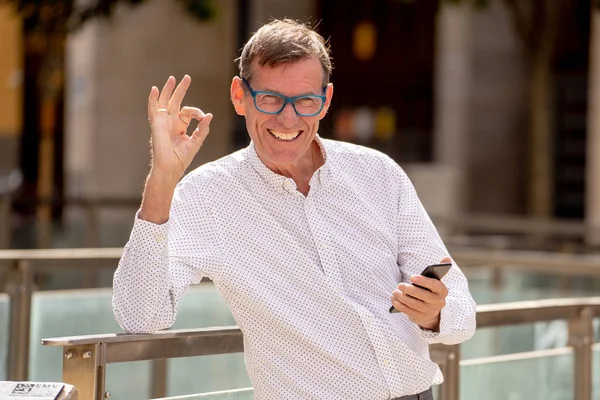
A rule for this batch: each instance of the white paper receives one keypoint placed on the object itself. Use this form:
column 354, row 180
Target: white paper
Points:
column 30, row 390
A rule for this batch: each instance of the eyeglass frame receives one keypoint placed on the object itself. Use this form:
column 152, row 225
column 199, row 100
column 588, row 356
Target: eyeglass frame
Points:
column 286, row 100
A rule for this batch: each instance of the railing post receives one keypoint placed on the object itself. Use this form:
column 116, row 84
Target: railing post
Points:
column 84, row 367
column 159, row 378
column 20, row 289
column 5, row 222
column 581, row 338
column 448, row 358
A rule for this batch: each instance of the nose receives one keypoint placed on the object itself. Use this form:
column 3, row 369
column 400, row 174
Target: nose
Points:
column 287, row 117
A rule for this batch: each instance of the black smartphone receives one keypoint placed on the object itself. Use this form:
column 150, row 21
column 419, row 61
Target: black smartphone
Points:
column 435, row 271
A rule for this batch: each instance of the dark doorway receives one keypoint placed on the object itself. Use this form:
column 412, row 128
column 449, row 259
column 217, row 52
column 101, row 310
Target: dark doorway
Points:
column 383, row 53
column 571, row 82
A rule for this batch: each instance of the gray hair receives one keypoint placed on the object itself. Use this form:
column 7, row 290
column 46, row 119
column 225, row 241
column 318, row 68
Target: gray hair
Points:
column 284, row 41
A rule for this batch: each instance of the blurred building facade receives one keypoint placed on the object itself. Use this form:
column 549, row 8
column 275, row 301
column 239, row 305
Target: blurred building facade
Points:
column 10, row 88
column 441, row 88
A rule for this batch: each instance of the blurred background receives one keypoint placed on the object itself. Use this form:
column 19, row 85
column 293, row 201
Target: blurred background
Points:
column 484, row 103
column 487, row 104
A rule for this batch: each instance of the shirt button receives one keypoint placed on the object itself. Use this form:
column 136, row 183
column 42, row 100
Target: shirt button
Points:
column 160, row 238
column 386, row 362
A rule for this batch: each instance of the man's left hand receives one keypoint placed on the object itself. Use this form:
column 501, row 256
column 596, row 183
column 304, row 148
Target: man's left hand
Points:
column 421, row 306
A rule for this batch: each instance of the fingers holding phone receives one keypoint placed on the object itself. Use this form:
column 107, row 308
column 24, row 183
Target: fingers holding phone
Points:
column 423, row 301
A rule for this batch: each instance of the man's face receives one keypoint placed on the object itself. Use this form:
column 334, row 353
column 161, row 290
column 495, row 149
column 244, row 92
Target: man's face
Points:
column 282, row 140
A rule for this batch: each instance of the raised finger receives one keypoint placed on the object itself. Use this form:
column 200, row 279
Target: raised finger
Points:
column 202, row 130
column 165, row 94
column 188, row 113
column 416, row 292
column 409, row 301
column 431, row 284
column 398, row 305
column 177, row 97
column 153, row 102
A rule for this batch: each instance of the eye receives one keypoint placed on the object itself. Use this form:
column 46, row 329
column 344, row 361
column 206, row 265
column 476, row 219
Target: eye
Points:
column 308, row 102
column 268, row 99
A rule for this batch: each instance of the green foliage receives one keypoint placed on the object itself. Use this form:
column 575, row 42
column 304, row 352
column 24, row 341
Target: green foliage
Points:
column 475, row 3
column 51, row 16
column 202, row 9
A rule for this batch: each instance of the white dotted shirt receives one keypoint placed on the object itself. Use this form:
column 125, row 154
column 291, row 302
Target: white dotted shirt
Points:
column 308, row 279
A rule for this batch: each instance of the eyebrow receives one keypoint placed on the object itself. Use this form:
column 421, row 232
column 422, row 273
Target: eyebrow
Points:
column 301, row 94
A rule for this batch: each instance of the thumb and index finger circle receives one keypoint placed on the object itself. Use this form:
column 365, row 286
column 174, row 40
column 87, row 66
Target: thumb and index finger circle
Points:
column 202, row 129
column 188, row 113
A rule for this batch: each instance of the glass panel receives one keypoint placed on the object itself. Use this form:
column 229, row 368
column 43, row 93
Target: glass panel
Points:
column 53, row 315
column 237, row 394
column 203, row 307
column 206, row 374
column 63, row 279
column 596, row 373
column 548, row 378
column 519, row 286
column 523, row 285
column 4, row 317
column 516, row 339
column 110, row 227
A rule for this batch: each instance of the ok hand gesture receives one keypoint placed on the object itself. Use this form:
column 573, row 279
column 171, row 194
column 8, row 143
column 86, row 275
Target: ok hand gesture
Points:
column 172, row 148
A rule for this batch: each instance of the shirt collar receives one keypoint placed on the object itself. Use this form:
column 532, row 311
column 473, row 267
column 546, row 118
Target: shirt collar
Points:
column 280, row 182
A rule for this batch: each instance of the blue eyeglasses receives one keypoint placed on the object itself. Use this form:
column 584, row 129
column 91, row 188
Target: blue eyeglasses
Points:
column 307, row 105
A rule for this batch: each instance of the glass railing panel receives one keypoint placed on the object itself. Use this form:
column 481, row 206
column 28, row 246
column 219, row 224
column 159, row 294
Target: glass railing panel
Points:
column 596, row 372
column 489, row 342
column 204, row 308
column 544, row 375
column 84, row 312
column 521, row 286
column 234, row 394
column 80, row 312
column 206, row 374
column 63, row 279
column 4, row 331
column 112, row 229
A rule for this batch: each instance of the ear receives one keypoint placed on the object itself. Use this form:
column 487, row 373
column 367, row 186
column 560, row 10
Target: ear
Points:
column 237, row 96
column 328, row 95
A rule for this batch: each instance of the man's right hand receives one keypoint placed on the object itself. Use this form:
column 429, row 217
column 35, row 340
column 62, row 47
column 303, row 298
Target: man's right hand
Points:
column 172, row 148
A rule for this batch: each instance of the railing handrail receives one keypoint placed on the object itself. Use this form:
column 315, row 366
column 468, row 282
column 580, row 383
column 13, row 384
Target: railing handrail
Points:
column 76, row 254
column 104, row 349
column 10, row 181
column 498, row 314
column 516, row 224
column 22, row 264
column 127, row 337
column 462, row 254
column 488, row 315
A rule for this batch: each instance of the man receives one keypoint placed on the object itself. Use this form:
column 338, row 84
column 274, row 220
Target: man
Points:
column 309, row 241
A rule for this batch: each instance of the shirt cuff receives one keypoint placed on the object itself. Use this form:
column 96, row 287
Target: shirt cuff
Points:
column 446, row 330
column 148, row 235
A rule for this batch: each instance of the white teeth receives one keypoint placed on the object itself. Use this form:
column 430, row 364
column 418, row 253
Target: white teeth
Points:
column 285, row 136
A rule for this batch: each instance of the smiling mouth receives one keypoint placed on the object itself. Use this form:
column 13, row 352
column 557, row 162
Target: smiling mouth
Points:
column 283, row 136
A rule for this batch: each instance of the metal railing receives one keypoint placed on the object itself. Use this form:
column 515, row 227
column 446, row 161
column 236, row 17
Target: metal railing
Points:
column 532, row 230
column 17, row 271
column 86, row 357
column 18, row 268
column 9, row 184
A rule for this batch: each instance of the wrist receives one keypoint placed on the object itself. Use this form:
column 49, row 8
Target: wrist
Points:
column 432, row 325
column 157, row 198
column 163, row 179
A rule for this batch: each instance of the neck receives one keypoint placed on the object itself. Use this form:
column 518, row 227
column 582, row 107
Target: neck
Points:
column 302, row 172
